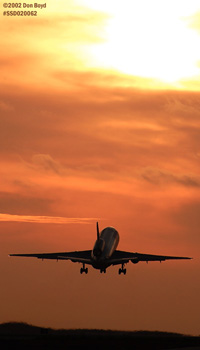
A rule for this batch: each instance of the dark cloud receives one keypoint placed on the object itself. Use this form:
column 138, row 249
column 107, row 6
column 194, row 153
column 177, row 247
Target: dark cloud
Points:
column 159, row 177
column 16, row 203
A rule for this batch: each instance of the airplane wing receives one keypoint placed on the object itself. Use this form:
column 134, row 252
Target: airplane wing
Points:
column 121, row 257
column 83, row 256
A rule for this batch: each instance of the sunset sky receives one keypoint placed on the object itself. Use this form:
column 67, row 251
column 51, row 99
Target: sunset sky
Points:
column 100, row 120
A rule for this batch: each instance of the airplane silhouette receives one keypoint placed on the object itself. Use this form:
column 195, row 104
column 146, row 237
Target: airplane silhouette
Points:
column 104, row 254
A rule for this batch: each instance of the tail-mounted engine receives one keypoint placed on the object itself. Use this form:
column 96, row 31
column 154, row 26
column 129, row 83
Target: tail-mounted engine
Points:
column 98, row 247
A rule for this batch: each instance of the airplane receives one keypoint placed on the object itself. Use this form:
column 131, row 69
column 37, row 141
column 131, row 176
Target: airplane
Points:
column 103, row 255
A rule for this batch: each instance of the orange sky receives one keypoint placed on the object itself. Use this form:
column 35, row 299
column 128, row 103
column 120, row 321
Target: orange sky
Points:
column 99, row 119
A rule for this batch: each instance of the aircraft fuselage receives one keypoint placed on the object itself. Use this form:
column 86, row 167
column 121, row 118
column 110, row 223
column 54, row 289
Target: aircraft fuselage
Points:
column 104, row 248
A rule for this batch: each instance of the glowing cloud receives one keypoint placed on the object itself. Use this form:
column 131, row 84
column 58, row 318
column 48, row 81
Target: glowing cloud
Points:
column 44, row 219
column 149, row 39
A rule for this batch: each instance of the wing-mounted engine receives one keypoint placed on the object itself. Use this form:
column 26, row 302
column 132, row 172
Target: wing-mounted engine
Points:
column 135, row 260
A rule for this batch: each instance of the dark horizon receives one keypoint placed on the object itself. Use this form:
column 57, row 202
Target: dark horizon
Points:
column 26, row 335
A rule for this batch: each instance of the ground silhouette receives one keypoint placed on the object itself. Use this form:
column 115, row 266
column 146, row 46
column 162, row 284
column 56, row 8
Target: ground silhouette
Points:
column 24, row 336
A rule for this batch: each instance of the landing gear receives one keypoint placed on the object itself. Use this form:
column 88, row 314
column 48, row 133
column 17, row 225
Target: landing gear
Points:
column 83, row 269
column 103, row 270
column 122, row 270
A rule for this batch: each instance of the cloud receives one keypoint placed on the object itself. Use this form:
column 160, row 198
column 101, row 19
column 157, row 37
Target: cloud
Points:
column 30, row 53
column 93, row 141
column 111, row 137
column 159, row 177
column 24, row 199
column 182, row 105
column 45, row 219
column 79, row 79
column 46, row 163
column 194, row 21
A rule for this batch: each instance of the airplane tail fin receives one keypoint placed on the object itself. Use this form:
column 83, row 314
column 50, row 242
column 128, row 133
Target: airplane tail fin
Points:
column 97, row 231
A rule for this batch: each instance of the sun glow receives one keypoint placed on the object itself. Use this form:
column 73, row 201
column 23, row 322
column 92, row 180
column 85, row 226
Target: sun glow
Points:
column 149, row 39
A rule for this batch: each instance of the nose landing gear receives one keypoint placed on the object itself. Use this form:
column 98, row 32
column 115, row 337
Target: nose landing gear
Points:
column 83, row 269
column 122, row 270
column 103, row 270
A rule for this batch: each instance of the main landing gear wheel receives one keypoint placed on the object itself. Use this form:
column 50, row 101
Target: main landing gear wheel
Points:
column 122, row 270
column 83, row 269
